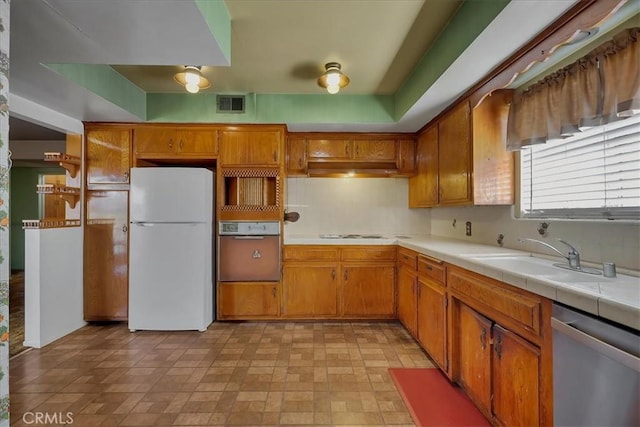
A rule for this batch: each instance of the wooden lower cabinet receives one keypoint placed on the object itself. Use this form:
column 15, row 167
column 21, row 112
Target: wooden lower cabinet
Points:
column 407, row 298
column 515, row 369
column 106, row 256
column 335, row 281
column 473, row 356
column 310, row 290
column 248, row 300
column 432, row 321
column 368, row 290
column 498, row 369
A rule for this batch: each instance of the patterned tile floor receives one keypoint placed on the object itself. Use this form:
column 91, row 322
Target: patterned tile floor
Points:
column 234, row 374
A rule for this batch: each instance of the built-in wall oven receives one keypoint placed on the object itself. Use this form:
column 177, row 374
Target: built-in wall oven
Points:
column 249, row 251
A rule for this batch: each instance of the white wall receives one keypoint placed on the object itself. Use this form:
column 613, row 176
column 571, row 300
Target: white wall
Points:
column 597, row 241
column 353, row 205
column 53, row 284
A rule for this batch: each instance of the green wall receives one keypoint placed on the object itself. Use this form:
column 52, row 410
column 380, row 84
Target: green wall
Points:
column 23, row 204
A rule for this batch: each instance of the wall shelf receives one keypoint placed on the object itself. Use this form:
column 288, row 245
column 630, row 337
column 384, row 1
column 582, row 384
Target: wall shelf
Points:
column 50, row 223
column 69, row 194
column 67, row 161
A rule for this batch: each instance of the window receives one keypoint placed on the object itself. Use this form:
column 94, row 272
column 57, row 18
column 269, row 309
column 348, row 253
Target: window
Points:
column 593, row 174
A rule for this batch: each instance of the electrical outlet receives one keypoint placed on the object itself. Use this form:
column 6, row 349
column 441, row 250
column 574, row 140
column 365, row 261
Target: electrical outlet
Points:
column 467, row 230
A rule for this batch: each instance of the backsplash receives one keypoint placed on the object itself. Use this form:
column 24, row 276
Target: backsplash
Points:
column 353, row 205
column 597, row 241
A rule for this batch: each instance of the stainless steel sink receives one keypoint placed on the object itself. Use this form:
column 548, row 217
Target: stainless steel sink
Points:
column 526, row 264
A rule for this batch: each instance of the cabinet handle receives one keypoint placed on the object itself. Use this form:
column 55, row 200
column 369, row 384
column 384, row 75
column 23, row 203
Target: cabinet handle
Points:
column 429, row 268
column 274, row 292
column 483, row 338
column 171, row 143
column 333, row 274
column 346, row 274
column 125, row 228
column 181, row 144
column 126, row 175
column 357, row 150
column 498, row 346
column 300, row 163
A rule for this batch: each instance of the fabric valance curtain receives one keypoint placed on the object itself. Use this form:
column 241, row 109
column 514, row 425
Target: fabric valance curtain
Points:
column 598, row 88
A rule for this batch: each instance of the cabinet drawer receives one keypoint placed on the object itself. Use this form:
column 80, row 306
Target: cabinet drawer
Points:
column 506, row 305
column 310, row 253
column 371, row 253
column 408, row 257
column 432, row 268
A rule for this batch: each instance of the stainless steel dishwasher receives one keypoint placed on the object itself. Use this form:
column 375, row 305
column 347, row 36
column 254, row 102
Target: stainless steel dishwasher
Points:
column 596, row 371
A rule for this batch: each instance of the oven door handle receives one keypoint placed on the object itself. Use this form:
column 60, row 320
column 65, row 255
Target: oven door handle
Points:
column 248, row 237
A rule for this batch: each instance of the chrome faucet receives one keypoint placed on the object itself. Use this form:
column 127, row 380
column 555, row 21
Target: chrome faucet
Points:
column 573, row 257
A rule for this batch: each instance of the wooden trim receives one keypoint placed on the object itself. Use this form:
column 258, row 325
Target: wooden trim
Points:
column 583, row 15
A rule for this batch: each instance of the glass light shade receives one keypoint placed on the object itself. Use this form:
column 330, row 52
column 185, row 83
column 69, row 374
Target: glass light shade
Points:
column 192, row 76
column 192, row 87
column 192, row 79
column 333, row 79
column 333, row 89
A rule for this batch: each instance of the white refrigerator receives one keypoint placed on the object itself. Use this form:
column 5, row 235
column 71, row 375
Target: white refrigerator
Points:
column 171, row 249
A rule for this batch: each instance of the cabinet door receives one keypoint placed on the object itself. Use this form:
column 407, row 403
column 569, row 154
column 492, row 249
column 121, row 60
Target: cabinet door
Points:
column 296, row 156
column 248, row 300
column 515, row 379
column 473, row 337
column 310, row 290
column 154, row 141
column 368, row 290
column 334, row 149
column 249, row 147
column 407, row 280
column 108, row 154
column 432, row 314
column 106, row 279
column 454, row 156
column 406, row 157
column 374, row 150
column 423, row 187
column 200, row 142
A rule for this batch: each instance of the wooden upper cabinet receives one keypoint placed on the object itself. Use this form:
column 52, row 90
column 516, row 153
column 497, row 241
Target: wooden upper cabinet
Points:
column 374, row 150
column 197, row 141
column 108, row 155
column 252, row 146
column 406, row 156
column 493, row 165
column 296, row 156
column 454, row 156
column 423, row 187
column 334, row 149
column 164, row 142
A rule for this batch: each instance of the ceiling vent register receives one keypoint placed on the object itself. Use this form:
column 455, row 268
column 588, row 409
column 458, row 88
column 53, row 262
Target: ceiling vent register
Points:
column 230, row 103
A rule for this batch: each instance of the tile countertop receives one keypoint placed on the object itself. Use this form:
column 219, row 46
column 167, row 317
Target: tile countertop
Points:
column 616, row 299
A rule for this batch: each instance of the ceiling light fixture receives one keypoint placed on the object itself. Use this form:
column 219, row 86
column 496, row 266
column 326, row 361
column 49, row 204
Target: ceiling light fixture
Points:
column 333, row 79
column 192, row 79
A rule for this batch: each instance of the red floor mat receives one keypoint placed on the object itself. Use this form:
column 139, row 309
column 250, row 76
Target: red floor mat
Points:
column 433, row 401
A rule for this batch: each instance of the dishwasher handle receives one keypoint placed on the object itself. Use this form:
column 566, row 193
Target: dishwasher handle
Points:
column 614, row 353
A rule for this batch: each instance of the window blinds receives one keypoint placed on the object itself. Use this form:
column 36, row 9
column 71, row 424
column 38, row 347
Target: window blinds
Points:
column 594, row 174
